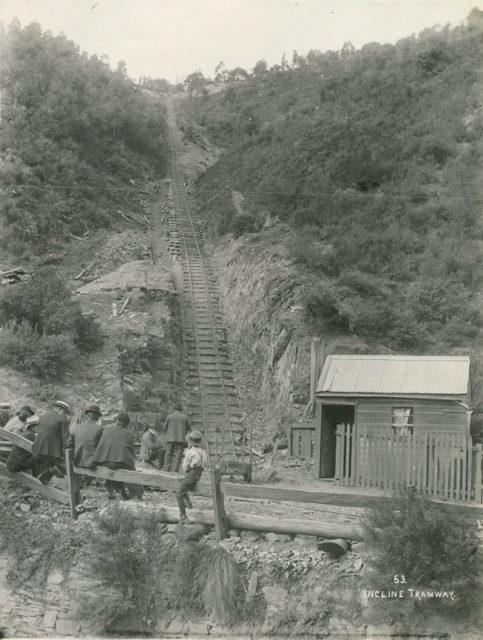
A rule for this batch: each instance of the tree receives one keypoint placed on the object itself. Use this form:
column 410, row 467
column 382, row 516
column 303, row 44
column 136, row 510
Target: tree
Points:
column 260, row 68
column 194, row 82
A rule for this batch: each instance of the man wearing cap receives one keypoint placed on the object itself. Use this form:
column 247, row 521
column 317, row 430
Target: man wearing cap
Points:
column 177, row 426
column 20, row 459
column 51, row 441
column 115, row 450
column 4, row 413
column 85, row 437
column 195, row 460
column 17, row 423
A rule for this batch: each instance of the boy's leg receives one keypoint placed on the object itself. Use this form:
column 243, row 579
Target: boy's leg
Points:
column 188, row 483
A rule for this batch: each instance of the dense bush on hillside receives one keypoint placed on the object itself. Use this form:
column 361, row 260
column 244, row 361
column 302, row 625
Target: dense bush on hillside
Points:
column 43, row 330
column 75, row 138
column 373, row 157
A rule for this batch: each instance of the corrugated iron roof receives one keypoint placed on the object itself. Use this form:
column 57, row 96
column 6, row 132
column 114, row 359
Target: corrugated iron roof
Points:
column 399, row 375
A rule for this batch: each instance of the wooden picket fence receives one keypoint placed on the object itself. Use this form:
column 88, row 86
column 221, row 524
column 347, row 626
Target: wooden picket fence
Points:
column 439, row 464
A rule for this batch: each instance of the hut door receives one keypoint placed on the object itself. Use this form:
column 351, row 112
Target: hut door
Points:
column 332, row 415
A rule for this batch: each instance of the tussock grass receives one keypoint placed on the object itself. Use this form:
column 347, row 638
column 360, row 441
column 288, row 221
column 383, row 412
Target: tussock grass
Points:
column 208, row 580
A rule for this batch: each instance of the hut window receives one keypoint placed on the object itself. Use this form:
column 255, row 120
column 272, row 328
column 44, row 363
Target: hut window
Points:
column 402, row 421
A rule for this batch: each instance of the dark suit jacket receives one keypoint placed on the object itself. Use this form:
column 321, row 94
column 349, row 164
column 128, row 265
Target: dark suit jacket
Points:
column 177, row 425
column 116, row 445
column 19, row 459
column 52, row 436
column 86, row 436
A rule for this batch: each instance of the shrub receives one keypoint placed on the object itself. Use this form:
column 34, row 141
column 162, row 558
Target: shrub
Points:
column 87, row 332
column 135, row 565
column 431, row 546
column 323, row 306
column 45, row 305
column 47, row 357
column 145, row 576
column 244, row 223
column 42, row 302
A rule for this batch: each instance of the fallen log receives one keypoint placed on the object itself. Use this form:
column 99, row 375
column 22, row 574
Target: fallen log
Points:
column 250, row 522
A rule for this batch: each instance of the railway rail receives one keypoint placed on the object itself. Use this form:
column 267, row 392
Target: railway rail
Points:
column 213, row 402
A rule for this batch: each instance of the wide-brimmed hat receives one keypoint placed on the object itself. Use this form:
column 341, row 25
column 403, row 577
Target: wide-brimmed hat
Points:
column 26, row 409
column 93, row 408
column 5, row 405
column 32, row 421
column 63, row 405
column 195, row 436
column 123, row 418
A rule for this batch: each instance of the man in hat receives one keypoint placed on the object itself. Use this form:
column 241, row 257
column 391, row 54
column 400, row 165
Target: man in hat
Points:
column 195, row 460
column 4, row 413
column 85, row 437
column 152, row 447
column 20, row 459
column 177, row 426
column 51, row 441
column 17, row 423
column 115, row 450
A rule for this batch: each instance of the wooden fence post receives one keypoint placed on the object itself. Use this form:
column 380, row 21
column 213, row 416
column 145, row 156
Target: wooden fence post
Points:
column 221, row 522
column 478, row 474
column 74, row 485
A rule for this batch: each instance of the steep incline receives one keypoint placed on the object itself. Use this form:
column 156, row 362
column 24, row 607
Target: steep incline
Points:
column 214, row 406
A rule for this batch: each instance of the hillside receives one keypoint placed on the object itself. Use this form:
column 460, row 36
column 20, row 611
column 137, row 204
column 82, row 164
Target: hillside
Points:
column 372, row 157
column 77, row 141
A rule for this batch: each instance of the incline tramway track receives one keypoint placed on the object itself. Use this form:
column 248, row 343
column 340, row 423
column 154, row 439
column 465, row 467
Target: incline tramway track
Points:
column 214, row 407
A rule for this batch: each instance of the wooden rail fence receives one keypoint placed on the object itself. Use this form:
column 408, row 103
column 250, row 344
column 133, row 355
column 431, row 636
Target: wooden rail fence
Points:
column 443, row 465
column 215, row 489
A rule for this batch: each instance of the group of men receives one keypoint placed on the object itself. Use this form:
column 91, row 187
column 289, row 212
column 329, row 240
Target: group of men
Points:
column 112, row 446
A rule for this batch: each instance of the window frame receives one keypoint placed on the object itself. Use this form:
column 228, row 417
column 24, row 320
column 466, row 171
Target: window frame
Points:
column 396, row 427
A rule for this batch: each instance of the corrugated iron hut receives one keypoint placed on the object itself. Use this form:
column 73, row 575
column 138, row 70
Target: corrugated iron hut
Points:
column 400, row 395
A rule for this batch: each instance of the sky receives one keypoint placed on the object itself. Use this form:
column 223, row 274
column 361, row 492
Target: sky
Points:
column 172, row 38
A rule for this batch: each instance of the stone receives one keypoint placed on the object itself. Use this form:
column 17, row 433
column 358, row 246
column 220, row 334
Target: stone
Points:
column 55, row 577
column 50, row 618
column 197, row 628
column 67, row 627
column 337, row 624
column 192, row 532
column 274, row 595
column 272, row 537
column 252, row 535
column 252, row 585
column 358, row 564
column 176, row 625
column 359, row 547
column 304, row 542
